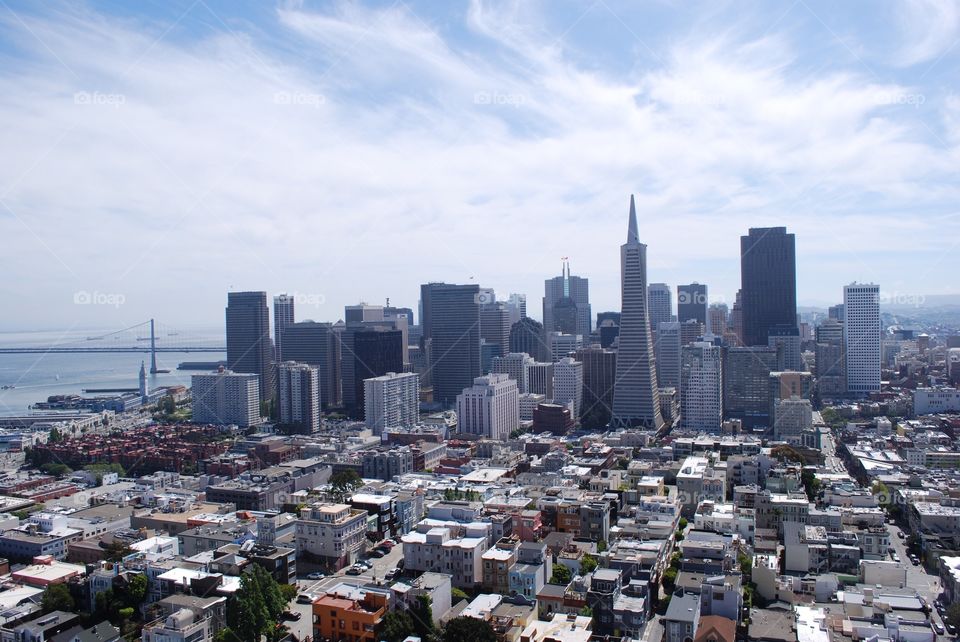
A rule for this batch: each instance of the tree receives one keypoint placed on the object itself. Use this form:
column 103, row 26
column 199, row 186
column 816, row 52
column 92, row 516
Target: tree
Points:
column 136, row 591
column 253, row 610
column 464, row 628
column 396, row 626
column 953, row 615
column 810, row 483
column 57, row 470
column 682, row 524
column 561, row 575
column 588, row 564
column 345, row 482
column 422, row 614
column 57, row 598
column 289, row 592
column 601, row 546
column 669, row 579
column 458, row 594
column 117, row 550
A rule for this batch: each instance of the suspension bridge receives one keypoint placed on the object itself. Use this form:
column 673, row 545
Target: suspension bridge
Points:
column 147, row 337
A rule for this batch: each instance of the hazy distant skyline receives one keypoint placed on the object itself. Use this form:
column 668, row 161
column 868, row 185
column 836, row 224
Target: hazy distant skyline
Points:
column 350, row 151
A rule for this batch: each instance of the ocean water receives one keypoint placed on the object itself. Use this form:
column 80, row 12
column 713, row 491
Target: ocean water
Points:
column 38, row 376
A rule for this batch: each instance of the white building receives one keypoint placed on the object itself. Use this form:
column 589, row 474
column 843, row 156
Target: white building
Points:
column 568, row 385
column 562, row 344
column 331, row 533
column 182, row 626
column 540, row 379
column 438, row 551
column 861, row 337
column 528, row 403
column 299, row 388
column 791, row 418
column 392, row 401
column 701, row 387
column 927, row 401
column 668, row 354
column 490, row 407
column 226, row 397
column 515, row 365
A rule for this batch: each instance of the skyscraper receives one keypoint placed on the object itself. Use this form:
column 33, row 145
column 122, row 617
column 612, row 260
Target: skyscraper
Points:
column 668, row 354
column 568, row 385
column 451, row 325
column 316, row 344
column 391, row 400
column 367, row 351
column 490, row 407
column 636, row 399
column 225, row 397
column 515, row 365
column 701, row 387
column 495, row 326
column 659, row 305
column 692, row 303
column 517, row 307
column 717, row 319
column 599, row 374
column 249, row 349
column 283, row 315
column 527, row 335
column 298, row 386
column 572, row 295
column 861, row 337
column 768, row 282
column 746, row 387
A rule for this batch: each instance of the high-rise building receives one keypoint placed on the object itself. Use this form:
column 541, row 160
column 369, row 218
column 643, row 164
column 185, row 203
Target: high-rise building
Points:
column 283, row 315
column 451, row 323
column 572, row 295
column 225, row 398
column 561, row 345
column 692, row 303
column 529, row 403
column 953, row 366
column 516, row 307
column 495, row 326
column 392, row 311
column 599, row 375
column 367, row 351
column 362, row 312
column 836, row 312
column 792, row 418
column 527, row 335
column 249, row 348
column 635, row 397
column 788, row 385
column 701, row 387
column 316, row 344
column 736, row 319
column 746, row 388
column 490, row 407
column 717, row 319
column 659, row 305
column 298, row 386
column 568, row 385
column 861, row 337
column 668, row 354
column 787, row 336
column 515, row 365
column 391, row 401
column 540, row 381
column 691, row 330
column 768, row 282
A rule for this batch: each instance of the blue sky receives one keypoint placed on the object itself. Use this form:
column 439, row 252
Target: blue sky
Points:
column 158, row 154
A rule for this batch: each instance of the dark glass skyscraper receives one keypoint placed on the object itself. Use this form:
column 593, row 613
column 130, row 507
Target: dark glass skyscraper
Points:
column 451, row 335
column 768, row 278
column 526, row 335
column 316, row 344
column 692, row 303
column 367, row 352
column 249, row 348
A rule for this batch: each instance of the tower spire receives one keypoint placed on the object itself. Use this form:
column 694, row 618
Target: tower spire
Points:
column 633, row 236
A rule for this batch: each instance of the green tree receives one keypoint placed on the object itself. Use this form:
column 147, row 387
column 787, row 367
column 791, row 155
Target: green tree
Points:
column 136, row 591
column 669, row 579
column 464, row 628
column 56, row 469
column 953, row 615
column 289, row 592
column 117, row 550
column 57, row 598
column 601, row 546
column 422, row 614
column 561, row 575
column 458, row 594
column 345, row 482
column 396, row 626
column 247, row 612
column 810, row 483
column 682, row 524
column 588, row 564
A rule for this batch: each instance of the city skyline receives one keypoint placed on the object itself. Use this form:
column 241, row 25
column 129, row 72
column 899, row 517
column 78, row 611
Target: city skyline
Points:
column 533, row 115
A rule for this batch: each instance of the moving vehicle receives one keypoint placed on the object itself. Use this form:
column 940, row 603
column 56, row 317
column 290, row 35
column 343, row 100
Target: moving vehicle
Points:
column 306, row 598
column 354, row 570
column 392, row 573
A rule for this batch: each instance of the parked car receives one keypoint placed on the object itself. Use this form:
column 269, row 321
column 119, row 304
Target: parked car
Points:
column 896, row 558
column 900, row 534
column 316, row 576
column 306, row 598
column 392, row 573
column 387, row 544
column 355, row 570
column 292, row 615
column 364, row 564
column 377, row 553
column 938, row 628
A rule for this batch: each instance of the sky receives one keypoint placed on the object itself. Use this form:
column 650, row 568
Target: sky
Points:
column 159, row 154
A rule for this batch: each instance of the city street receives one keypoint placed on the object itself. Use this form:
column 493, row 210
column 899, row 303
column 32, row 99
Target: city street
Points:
column 831, row 460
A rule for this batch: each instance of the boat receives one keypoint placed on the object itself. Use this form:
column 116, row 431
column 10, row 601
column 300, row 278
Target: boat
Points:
column 7, row 387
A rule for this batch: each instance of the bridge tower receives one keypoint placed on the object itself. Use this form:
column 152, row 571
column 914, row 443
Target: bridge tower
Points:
column 153, row 349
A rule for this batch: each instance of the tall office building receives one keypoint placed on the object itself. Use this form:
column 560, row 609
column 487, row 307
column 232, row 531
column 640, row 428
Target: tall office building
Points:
column 490, row 407
column 659, row 305
column 717, row 319
column 836, row 312
column 768, row 282
column 527, row 335
column 298, row 386
column 391, row 401
column 515, row 365
column 788, row 385
column 636, row 399
column 692, row 303
column 451, row 324
column 701, row 387
column 316, row 344
column 668, row 354
column 362, row 312
column 568, row 385
column 608, row 328
column 283, row 315
column 736, row 319
column 599, row 375
column 792, row 418
column 516, row 307
column 367, row 351
column 249, row 348
column 392, row 311
column 226, row 397
column 561, row 345
column 746, row 388
column 861, row 337
column 572, row 295
column 787, row 336
column 495, row 326
column 691, row 330
column 540, row 378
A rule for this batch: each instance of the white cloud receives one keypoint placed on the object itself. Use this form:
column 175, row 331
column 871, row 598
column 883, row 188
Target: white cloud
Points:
column 383, row 153
column 930, row 29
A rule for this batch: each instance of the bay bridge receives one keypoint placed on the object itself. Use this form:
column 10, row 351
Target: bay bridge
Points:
column 147, row 337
